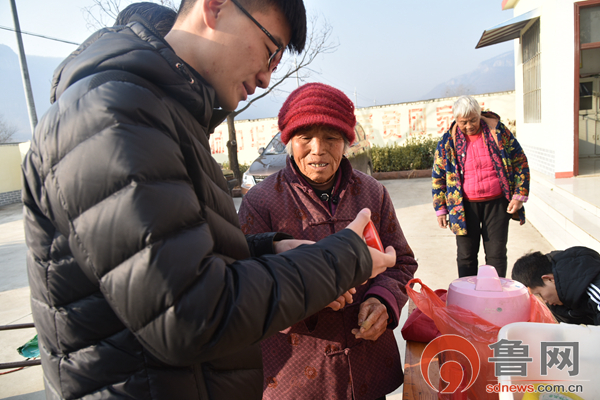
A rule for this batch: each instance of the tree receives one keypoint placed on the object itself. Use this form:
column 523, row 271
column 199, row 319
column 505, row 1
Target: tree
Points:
column 457, row 90
column 7, row 130
column 318, row 41
column 103, row 13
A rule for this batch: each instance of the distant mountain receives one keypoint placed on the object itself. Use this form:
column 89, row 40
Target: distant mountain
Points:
column 13, row 106
column 494, row 75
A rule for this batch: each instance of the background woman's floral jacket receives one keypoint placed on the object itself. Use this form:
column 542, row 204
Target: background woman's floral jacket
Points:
column 508, row 159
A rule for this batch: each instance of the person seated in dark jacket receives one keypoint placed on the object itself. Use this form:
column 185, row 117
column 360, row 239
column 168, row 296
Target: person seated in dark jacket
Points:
column 142, row 284
column 568, row 281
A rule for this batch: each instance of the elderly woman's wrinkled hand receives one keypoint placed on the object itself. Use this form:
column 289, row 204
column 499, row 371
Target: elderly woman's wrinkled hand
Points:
column 341, row 301
column 289, row 244
column 372, row 319
column 443, row 221
column 514, row 206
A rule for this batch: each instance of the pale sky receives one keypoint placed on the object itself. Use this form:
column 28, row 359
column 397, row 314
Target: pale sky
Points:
column 390, row 51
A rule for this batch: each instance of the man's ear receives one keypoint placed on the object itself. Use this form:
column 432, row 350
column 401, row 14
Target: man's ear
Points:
column 212, row 10
column 548, row 277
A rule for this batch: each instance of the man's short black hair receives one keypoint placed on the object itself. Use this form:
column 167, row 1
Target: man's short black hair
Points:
column 161, row 18
column 293, row 11
column 530, row 268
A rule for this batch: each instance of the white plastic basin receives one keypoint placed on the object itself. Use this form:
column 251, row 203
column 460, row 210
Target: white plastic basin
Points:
column 533, row 334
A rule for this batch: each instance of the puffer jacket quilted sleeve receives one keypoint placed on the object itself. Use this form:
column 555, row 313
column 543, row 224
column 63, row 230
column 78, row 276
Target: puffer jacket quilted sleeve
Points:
column 136, row 261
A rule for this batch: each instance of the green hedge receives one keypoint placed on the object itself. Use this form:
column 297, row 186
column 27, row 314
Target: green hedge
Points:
column 243, row 167
column 415, row 153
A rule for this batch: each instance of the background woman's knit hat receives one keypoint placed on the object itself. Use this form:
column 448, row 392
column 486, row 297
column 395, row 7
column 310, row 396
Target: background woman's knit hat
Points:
column 316, row 104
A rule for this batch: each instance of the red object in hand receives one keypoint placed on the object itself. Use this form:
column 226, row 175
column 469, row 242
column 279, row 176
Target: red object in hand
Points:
column 372, row 237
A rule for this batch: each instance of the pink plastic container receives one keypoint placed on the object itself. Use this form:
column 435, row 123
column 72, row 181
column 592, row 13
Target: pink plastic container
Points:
column 500, row 301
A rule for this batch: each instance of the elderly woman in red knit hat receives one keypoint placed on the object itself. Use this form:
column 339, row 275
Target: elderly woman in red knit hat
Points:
column 348, row 349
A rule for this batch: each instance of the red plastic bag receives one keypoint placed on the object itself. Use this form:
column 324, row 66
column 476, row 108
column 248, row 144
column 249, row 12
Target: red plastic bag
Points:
column 419, row 327
column 481, row 333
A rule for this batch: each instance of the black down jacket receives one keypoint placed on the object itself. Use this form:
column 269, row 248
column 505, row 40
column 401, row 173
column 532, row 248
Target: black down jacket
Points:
column 576, row 273
column 141, row 281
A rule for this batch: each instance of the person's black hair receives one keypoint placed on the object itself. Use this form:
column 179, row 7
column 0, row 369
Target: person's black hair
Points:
column 293, row 11
column 529, row 269
column 161, row 18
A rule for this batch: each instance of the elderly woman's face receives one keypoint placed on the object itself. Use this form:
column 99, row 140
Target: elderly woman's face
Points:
column 469, row 124
column 318, row 152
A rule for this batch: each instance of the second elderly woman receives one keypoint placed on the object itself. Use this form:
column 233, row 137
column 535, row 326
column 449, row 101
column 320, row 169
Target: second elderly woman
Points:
column 480, row 180
column 345, row 351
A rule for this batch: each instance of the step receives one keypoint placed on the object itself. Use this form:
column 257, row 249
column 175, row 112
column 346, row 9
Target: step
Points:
column 561, row 217
column 586, row 205
column 551, row 230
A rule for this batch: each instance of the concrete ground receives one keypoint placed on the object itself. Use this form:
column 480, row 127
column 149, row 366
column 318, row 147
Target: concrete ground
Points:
column 434, row 248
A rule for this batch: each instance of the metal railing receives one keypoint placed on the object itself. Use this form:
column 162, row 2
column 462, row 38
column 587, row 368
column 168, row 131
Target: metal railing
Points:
column 18, row 364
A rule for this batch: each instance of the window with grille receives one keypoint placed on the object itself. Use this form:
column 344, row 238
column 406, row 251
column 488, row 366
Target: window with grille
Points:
column 532, row 87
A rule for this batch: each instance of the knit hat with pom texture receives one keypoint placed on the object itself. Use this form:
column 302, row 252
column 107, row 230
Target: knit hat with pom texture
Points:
column 317, row 104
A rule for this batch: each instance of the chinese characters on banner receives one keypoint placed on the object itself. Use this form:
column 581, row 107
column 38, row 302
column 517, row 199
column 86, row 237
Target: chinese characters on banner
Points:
column 274, row 129
column 239, row 137
column 250, row 139
column 367, row 124
column 391, row 125
column 217, row 142
column 511, row 357
column 444, row 118
column 416, row 120
column 261, row 139
column 384, row 125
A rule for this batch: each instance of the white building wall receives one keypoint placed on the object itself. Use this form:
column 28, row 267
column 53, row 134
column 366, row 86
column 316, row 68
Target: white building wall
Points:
column 549, row 145
column 384, row 125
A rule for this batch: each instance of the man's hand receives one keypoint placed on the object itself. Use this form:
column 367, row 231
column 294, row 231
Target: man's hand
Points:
column 442, row 220
column 372, row 319
column 341, row 301
column 514, row 206
column 289, row 244
column 381, row 261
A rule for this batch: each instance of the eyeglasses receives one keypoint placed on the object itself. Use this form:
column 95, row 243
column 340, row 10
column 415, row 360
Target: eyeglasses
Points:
column 273, row 58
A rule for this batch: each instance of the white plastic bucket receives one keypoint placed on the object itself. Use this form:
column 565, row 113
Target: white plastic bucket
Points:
column 533, row 334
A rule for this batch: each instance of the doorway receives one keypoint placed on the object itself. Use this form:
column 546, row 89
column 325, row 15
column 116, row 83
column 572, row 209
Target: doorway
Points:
column 587, row 83
column 589, row 126
column 589, row 131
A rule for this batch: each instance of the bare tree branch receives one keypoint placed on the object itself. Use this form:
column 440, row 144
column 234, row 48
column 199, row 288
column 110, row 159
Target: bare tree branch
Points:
column 457, row 90
column 103, row 13
column 318, row 41
column 7, row 130
column 169, row 3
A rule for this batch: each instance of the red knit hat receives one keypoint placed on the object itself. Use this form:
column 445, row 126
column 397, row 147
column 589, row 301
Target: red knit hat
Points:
column 317, row 104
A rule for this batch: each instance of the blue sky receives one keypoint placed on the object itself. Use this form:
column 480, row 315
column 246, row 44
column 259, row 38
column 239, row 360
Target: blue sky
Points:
column 390, row 51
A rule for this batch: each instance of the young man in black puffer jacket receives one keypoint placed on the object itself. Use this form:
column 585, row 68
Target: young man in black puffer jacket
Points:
column 142, row 284
column 568, row 281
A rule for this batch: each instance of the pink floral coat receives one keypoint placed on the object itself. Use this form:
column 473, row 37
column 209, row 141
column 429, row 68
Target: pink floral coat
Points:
column 319, row 358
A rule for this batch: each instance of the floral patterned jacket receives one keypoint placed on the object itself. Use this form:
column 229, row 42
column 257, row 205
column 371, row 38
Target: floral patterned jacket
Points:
column 508, row 159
